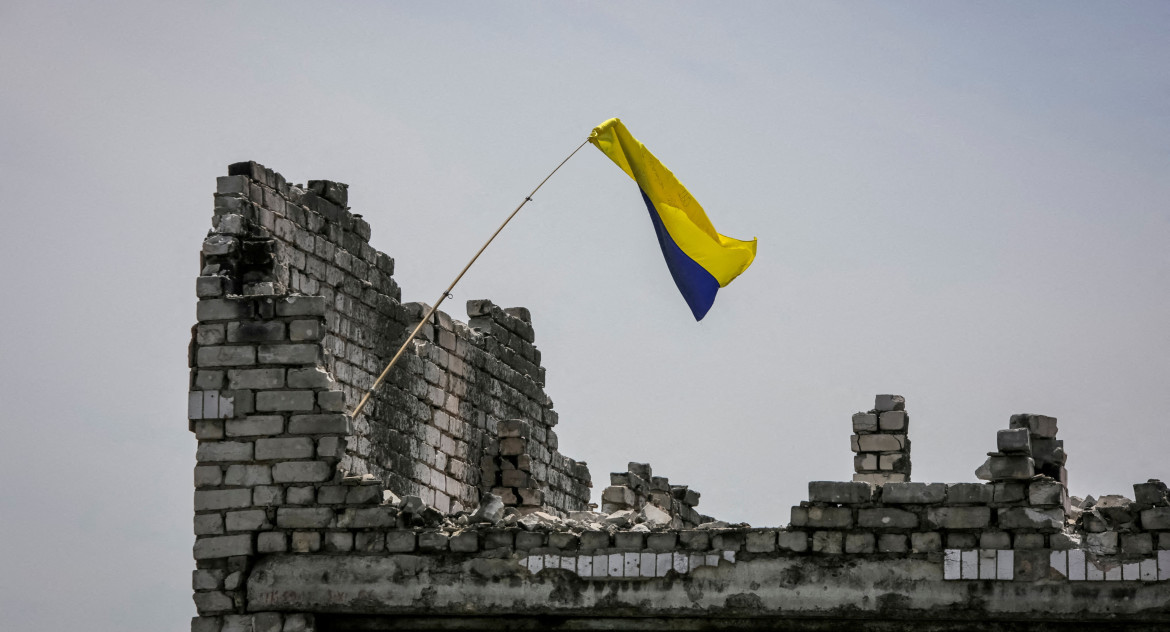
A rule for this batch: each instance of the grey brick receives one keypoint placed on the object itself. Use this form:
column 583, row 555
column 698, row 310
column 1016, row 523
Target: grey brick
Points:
column 913, row 493
column 284, row 448
column 301, row 306
column 370, row 542
column 1157, row 518
column 211, row 603
column 882, row 403
column 222, row 546
column 256, row 378
column 302, row 472
column 267, row 401
column 865, row 422
column 304, row 517
column 995, row 540
column 209, row 380
column 1029, row 541
column 207, row 579
column 246, row 520
column 1029, row 518
column 309, row 329
column 830, row 517
column 223, row 309
column 761, row 541
column 1013, row 441
column 223, row 451
column 311, row 377
column 339, row 541
column 334, row 423
column 465, row 542
column 208, row 524
column 831, row 542
column 366, row 518
column 208, row 476
column 432, row 541
column 1011, row 467
column 840, row 492
column 232, row 185
column 306, row 495
column 795, row 541
column 882, row 442
column 892, row 543
column 255, row 331
column 255, row 426
column 859, row 542
column 892, row 420
column 331, row 401
column 925, row 542
column 968, row 494
column 268, row 496
column 225, row 356
column 958, row 517
column 662, row 542
column 306, row 541
column 1046, row 493
column 331, row 447
column 289, row 354
column 887, row 518
column 248, row 475
column 212, row 499
column 400, row 541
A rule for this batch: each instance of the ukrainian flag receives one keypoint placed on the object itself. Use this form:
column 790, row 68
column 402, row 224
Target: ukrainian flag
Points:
column 700, row 259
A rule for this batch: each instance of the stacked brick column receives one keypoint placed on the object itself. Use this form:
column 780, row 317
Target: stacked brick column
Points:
column 881, row 442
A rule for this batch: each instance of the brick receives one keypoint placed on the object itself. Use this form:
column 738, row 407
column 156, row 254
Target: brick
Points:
column 1156, row 519
column 1137, row 544
column 995, row 540
column 859, row 542
column 1030, row 541
column 250, row 520
column 840, row 492
column 209, row 451
column 831, row 542
column 302, row 472
column 1029, row 518
column 255, row 331
column 865, row 422
column 209, row 380
column 925, row 542
column 892, row 543
column 465, row 542
column 304, row 517
column 1014, row 441
column 914, row 493
column 208, row 476
column 958, row 517
column 1047, row 493
column 290, row 448
column 366, row 518
column 369, row 542
column 311, row 377
column 795, row 541
column 271, row 542
column 209, row 500
column 881, row 443
column 306, row 541
column 1011, row 467
column 331, row 401
column 623, row 496
column 1037, row 425
column 211, row 603
column 222, row 546
column 629, row 541
column 662, row 542
column 761, row 541
column 887, row 518
column 223, row 309
column 225, row 356
column 255, row 426
column 968, row 494
column 432, row 541
column 268, row 401
column 301, row 306
column 883, row 403
column 892, row 420
column 830, row 517
column 334, row 423
column 339, row 541
column 256, row 378
column 309, row 329
column 289, row 354
column 208, row 524
column 248, row 475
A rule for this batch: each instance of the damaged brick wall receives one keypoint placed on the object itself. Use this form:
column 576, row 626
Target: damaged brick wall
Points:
column 424, row 431
column 299, row 526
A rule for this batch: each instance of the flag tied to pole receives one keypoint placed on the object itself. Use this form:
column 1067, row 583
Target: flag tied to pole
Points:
column 699, row 258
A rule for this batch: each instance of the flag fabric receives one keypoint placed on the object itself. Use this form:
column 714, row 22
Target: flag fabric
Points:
column 699, row 258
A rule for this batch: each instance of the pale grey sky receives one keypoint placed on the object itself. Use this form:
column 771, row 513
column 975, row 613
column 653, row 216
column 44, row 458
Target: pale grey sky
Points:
column 964, row 203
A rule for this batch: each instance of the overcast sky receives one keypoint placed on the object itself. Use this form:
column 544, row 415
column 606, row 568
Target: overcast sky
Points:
column 963, row 203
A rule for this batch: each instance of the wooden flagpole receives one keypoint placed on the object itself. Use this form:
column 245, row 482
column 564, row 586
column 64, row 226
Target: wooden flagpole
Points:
column 447, row 292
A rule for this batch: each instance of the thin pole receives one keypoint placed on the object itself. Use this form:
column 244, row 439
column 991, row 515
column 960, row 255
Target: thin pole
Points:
column 447, row 292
